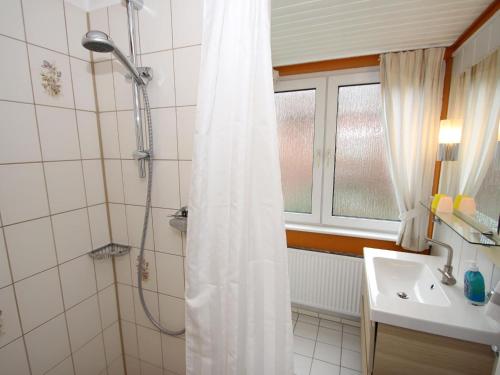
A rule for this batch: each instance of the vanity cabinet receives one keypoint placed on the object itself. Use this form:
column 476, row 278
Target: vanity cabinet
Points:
column 391, row 350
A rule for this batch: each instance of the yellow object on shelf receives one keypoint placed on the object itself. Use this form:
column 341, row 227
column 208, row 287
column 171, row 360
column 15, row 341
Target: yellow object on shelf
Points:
column 442, row 203
column 465, row 204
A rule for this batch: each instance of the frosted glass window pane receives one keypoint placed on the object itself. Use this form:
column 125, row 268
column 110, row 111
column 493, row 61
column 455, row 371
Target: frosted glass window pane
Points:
column 295, row 115
column 362, row 185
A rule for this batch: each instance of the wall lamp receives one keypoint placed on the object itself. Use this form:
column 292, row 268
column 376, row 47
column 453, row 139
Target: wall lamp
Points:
column 450, row 133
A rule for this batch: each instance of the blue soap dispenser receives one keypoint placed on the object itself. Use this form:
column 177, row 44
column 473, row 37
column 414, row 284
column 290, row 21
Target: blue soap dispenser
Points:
column 474, row 285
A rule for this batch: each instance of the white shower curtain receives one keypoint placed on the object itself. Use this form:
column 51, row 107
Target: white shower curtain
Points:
column 412, row 87
column 238, row 318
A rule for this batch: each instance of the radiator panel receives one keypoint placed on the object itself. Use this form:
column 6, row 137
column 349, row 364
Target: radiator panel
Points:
column 325, row 281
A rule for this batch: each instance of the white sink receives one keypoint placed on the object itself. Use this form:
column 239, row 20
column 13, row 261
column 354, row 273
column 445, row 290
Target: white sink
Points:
column 430, row 306
column 409, row 281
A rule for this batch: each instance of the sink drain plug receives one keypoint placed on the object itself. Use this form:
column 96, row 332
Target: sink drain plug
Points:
column 402, row 295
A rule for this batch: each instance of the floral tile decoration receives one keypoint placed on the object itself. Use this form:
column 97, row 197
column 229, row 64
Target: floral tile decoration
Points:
column 51, row 78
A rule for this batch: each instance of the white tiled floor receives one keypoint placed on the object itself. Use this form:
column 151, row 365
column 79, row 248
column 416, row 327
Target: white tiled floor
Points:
column 325, row 347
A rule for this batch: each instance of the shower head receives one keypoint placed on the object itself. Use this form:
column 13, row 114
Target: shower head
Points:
column 97, row 41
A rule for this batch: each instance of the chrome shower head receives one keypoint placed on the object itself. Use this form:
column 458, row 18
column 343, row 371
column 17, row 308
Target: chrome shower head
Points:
column 97, row 41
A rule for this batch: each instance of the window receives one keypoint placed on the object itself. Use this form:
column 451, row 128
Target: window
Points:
column 335, row 172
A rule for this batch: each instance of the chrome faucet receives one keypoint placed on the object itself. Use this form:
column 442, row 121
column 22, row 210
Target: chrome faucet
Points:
column 447, row 270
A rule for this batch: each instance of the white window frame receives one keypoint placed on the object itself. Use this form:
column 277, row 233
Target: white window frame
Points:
column 319, row 84
column 371, row 227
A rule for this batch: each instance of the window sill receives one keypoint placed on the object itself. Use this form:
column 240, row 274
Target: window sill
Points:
column 382, row 236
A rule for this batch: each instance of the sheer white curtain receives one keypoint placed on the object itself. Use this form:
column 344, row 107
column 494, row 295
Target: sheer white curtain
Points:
column 412, row 86
column 238, row 318
column 475, row 100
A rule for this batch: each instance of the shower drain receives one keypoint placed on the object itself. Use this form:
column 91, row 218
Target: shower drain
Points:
column 402, row 295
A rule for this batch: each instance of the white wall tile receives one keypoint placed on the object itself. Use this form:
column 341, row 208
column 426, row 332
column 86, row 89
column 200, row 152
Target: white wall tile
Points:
column 151, row 299
column 149, row 345
column 83, row 84
column 78, row 280
column 187, row 68
column 148, row 283
column 37, row 57
column 167, row 239
column 58, row 133
column 166, row 184
column 83, row 322
column 65, row 185
column 161, row 88
column 154, row 26
column 104, row 273
column 114, row 180
column 25, row 196
column 123, row 270
column 118, row 26
column 72, row 235
column 112, row 343
column 134, row 186
column 88, row 134
column 108, row 307
column 129, row 336
column 90, row 359
column 31, row 247
column 63, row 368
column 45, row 24
column 185, row 181
column 39, row 298
column 118, row 223
column 171, row 277
column 116, row 367
column 94, row 183
column 174, row 354
column 109, row 135
column 135, row 220
column 126, row 132
column 15, row 71
column 165, row 133
column 149, row 369
column 99, row 21
column 123, row 87
column 13, row 358
column 172, row 312
column 126, row 299
column 76, row 24
column 5, row 277
column 103, row 75
column 99, row 228
column 186, row 22
column 186, row 118
column 11, row 19
column 11, row 328
column 18, row 133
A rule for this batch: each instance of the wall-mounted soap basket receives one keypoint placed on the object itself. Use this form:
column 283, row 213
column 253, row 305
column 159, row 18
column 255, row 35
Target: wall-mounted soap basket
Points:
column 109, row 250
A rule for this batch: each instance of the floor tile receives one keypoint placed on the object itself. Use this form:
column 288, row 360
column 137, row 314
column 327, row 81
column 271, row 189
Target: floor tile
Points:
column 323, row 368
column 351, row 330
column 351, row 359
column 328, row 353
column 330, row 324
column 329, row 336
column 301, row 364
column 303, row 346
column 348, row 371
column 351, row 342
column 308, row 331
column 308, row 319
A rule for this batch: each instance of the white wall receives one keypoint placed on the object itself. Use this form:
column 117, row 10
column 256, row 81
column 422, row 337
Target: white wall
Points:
column 58, row 306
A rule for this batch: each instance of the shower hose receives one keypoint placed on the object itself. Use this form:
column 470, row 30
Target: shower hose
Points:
column 147, row 210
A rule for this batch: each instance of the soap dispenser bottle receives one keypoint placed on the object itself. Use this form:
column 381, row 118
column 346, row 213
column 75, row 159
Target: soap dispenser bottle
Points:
column 474, row 285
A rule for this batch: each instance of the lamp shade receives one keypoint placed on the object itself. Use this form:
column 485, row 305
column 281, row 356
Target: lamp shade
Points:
column 450, row 133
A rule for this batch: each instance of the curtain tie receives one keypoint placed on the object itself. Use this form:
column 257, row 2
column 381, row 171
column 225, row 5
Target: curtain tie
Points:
column 409, row 215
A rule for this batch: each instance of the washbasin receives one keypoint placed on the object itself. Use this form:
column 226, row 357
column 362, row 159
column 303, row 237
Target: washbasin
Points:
column 408, row 281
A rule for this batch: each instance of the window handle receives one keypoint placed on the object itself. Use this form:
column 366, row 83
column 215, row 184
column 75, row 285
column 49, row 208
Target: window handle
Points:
column 318, row 158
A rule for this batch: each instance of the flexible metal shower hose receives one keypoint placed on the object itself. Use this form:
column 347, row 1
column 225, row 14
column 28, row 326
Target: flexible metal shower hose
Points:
column 146, row 219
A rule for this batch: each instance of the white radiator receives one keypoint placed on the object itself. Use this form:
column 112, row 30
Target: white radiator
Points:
column 325, row 281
